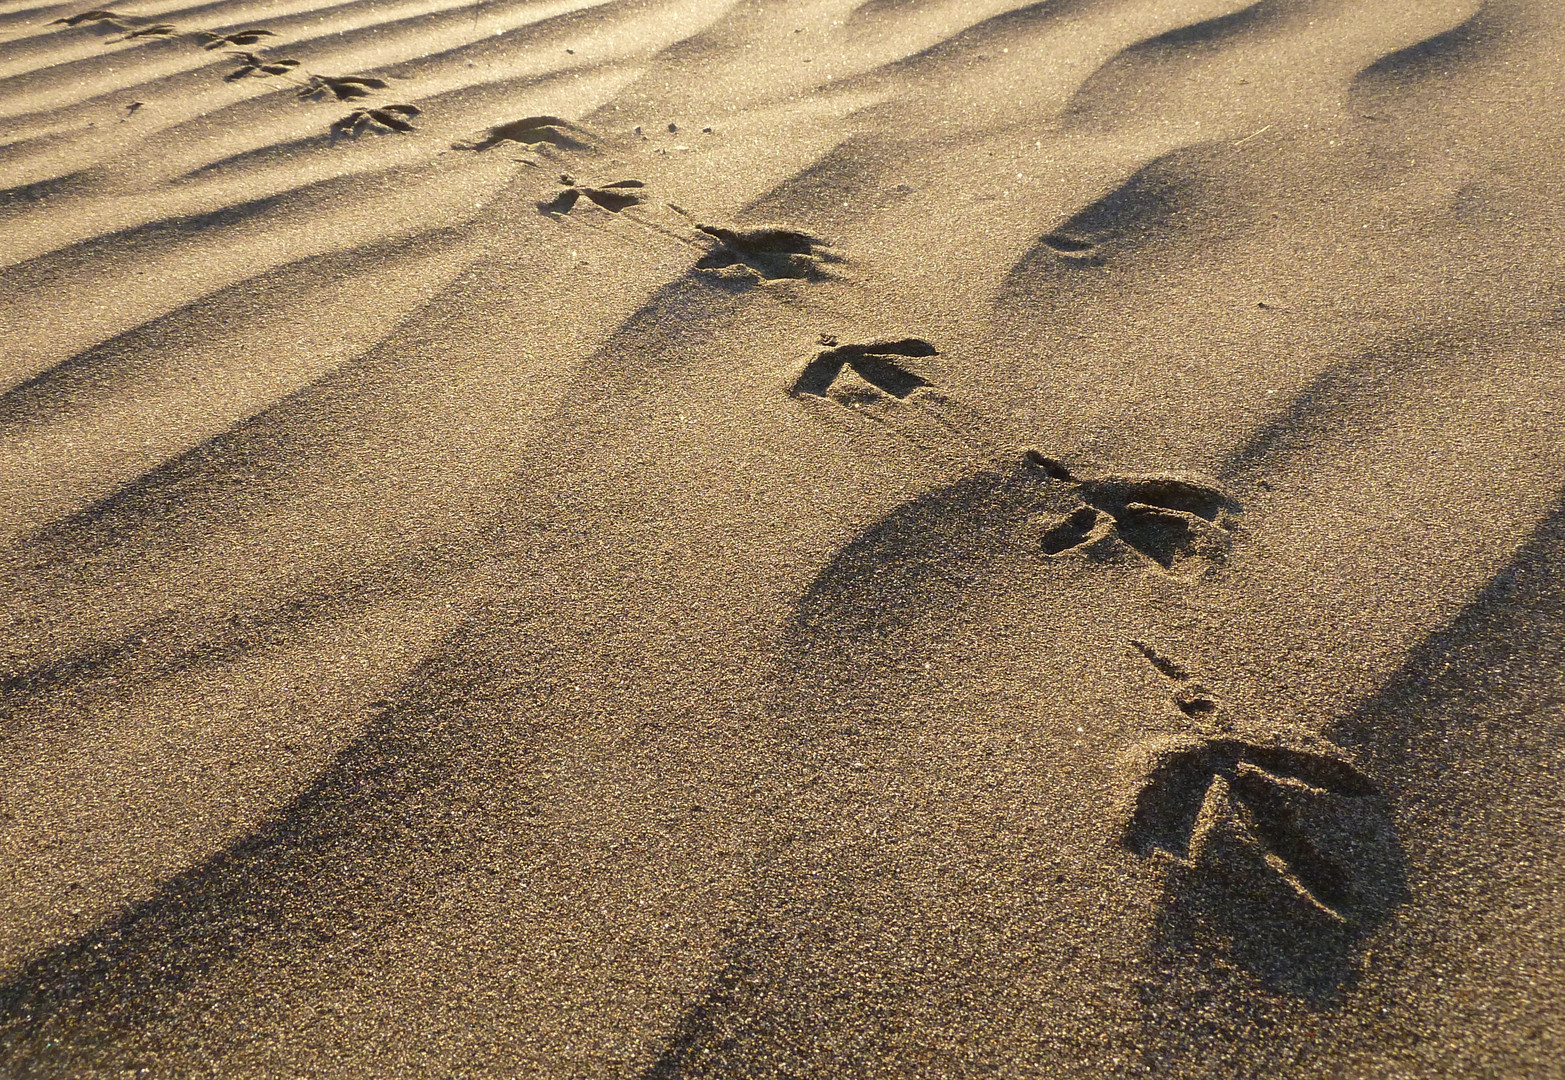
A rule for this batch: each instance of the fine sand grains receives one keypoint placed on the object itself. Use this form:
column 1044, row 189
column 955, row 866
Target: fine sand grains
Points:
column 863, row 538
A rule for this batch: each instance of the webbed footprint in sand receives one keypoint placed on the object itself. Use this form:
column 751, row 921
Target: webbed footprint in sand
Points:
column 378, row 121
column 767, row 253
column 847, row 373
column 532, row 131
column 340, row 87
column 615, row 196
column 130, row 26
column 258, row 67
column 1280, row 852
column 155, row 30
column 96, row 15
column 1165, row 517
column 249, row 36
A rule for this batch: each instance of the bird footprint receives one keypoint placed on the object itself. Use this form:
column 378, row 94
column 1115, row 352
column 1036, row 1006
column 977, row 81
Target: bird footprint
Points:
column 342, row 87
column 253, row 66
column 613, row 197
column 97, row 15
column 1164, row 517
column 155, row 30
column 532, row 131
column 236, row 37
column 1299, row 825
column 882, row 364
column 385, row 118
column 768, row 253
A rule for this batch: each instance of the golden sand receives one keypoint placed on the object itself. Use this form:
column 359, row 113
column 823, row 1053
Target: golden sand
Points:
column 830, row 538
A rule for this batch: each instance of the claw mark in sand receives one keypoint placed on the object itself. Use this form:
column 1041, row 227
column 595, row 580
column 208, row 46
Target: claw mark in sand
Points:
column 1191, row 697
column 130, row 26
column 879, row 367
column 1073, row 248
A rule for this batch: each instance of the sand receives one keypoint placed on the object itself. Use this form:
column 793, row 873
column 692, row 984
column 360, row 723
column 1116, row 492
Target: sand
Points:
column 847, row 538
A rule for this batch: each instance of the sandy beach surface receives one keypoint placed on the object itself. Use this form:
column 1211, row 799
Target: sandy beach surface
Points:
column 782, row 538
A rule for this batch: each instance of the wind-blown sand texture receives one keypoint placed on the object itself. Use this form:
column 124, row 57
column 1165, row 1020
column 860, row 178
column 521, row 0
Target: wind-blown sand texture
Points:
column 742, row 538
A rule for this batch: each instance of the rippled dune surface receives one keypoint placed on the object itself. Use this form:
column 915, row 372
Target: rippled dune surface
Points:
column 744, row 538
